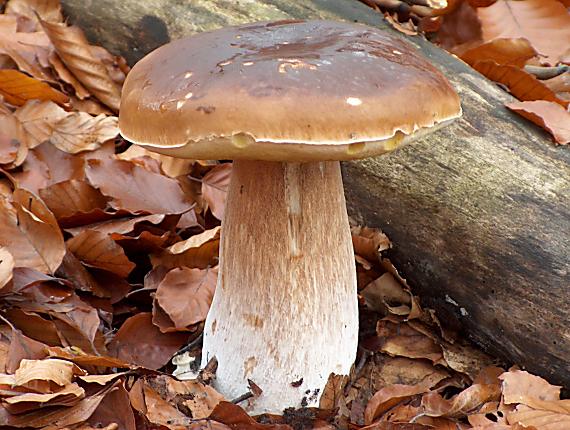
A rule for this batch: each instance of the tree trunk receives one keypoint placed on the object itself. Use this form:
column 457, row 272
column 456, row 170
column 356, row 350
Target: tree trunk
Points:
column 479, row 212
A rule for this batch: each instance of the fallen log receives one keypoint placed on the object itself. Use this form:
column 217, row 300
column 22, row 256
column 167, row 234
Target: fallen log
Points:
column 479, row 211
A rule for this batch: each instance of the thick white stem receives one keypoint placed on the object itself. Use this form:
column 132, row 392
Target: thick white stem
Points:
column 285, row 311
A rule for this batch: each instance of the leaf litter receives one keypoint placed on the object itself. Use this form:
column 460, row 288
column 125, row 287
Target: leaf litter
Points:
column 96, row 236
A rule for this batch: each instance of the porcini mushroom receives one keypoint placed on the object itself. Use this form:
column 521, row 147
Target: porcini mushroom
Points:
column 286, row 100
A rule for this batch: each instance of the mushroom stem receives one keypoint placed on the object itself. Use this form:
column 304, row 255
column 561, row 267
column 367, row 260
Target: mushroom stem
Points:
column 285, row 312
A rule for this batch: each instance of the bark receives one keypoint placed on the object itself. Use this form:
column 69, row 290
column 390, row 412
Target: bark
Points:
column 479, row 211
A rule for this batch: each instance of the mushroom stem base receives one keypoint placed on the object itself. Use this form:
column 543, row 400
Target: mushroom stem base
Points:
column 285, row 312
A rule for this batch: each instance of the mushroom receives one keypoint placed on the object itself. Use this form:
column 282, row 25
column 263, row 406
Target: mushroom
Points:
column 286, row 100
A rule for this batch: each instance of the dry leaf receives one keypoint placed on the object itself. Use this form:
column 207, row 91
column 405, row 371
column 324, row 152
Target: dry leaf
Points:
column 402, row 340
column 74, row 50
column 521, row 84
column 369, row 242
column 7, row 264
column 199, row 251
column 135, row 189
column 186, row 295
column 388, row 397
column 544, row 23
column 513, row 52
column 548, row 115
column 215, row 187
column 115, row 409
column 98, row 250
column 17, row 88
column 60, row 372
column 553, row 415
column 519, row 386
column 470, row 399
column 30, row 232
column 68, row 198
column 48, row 10
column 138, row 341
column 172, row 166
column 238, row 419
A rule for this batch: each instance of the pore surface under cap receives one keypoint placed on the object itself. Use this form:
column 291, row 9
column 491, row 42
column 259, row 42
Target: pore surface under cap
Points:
column 303, row 83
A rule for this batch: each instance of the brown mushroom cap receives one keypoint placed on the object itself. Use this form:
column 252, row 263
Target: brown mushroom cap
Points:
column 287, row 90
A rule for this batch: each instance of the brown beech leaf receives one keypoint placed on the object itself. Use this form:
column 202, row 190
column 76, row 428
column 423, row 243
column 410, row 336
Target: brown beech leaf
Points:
column 544, row 23
column 120, row 226
column 7, row 264
column 55, row 418
column 138, row 341
column 157, row 411
column 67, row 198
column 30, row 232
column 545, row 415
column 369, row 242
column 66, row 396
column 548, row 115
column 9, row 146
column 513, row 52
column 460, row 26
column 48, row 10
column 388, row 397
column 23, row 347
column 519, row 386
column 521, row 84
column 470, row 399
column 65, row 75
column 199, row 251
column 80, row 131
column 76, row 53
column 17, row 88
column 115, row 409
column 172, row 166
column 98, row 250
column 215, row 187
column 135, row 189
column 38, row 118
column 404, row 341
column 59, row 372
column 27, row 50
column 15, row 141
column 232, row 415
column 186, row 295
column 199, row 398
column 83, row 359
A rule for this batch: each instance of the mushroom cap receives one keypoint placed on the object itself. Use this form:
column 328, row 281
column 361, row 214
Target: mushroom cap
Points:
column 284, row 91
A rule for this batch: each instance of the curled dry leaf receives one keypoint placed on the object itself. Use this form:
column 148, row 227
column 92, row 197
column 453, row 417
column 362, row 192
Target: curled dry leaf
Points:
column 388, row 397
column 31, row 373
column 236, row 418
column 55, row 418
column 17, row 88
column 548, row 115
column 172, row 166
column 470, row 399
column 157, row 411
column 30, row 232
column 369, row 242
column 9, row 146
column 402, row 340
column 186, row 295
column 7, row 264
column 138, row 341
column 520, row 83
column 544, row 23
column 98, row 250
column 513, row 52
column 115, row 410
column 215, row 187
column 199, row 251
column 76, row 53
column 15, row 141
column 135, row 189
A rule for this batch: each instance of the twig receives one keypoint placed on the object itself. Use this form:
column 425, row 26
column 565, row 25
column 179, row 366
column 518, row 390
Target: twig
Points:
column 243, row 397
column 191, row 345
column 546, row 72
column 358, row 369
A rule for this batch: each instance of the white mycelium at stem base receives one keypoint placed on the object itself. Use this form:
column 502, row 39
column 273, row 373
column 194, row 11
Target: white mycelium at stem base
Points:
column 285, row 311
